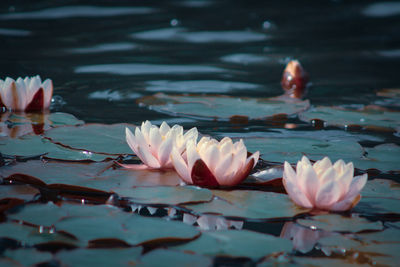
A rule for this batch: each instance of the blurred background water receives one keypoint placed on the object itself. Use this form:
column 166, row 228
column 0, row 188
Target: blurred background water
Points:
column 103, row 55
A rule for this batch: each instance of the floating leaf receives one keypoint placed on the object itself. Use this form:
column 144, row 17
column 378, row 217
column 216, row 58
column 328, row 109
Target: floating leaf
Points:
column 28, row 256
column 222, row 107
column 174, row 258
column 24, row 192
column 292, row 149
column 377, row 205
column 170, row 195
column 100, row 175
column 338, row 223
column 32, row 235
column 100, row 257
column 367, row 117
column 385, row 157
column 96, row 138
column 35, row 146
column 248, row 204
column 381, row 188
column 241, row 243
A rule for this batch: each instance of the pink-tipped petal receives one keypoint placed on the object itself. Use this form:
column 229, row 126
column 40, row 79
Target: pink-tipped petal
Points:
column 289, row 174
column 223, row 166
column 131, row 140
column 239, row 176
column 164, row 128
column 309, row 182
column 155, row 141
column 255, row 156
column 180, row 166
column 356, row 186
column 211, row 157
column 296, row 195
column 328, row 175
column 321, row 165
column 192, row 154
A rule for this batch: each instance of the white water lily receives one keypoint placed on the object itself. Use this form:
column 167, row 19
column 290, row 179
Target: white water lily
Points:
column 213, row 163
column 324, row 185
column 28, row 94
column 153, row 145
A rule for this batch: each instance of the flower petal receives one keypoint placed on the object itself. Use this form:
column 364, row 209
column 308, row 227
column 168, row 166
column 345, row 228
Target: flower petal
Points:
column 202, row 176
column 155, row 141
column 309, row 182
column 356, row 186
column 211, row 157
column 48, row 92
column 181, row 166
column 134, row 166
column 130, row 139
column 164, row 152
column 327, row 195
column 147, row 158
column 296, row 195
column 322, row 165
column 223, row 165
column 164, row 128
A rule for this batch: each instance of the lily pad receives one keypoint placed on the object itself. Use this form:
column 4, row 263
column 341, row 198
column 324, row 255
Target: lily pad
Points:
column 241, row 243
column 84, row 222
column 174, row 258
column 385, row 157
column 32, row 235
column 96, row 138
column 366, row 117
column 222, row 107
column 248, row 204
column 35, row 146
column 100, row 257
column 381, row 188
column 99, row 175
column 292, row 149
column 378, row 205
column 165, row 194
column 28, row 256
column 338, row 223
column 24, row 192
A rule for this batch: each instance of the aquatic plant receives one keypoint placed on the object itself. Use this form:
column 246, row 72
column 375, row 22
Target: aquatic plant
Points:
column 153, row 144
column 212, row 163
column 28, row 94
column 323, row 186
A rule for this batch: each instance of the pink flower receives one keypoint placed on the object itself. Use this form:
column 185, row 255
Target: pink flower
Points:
column 28, row 94
column 323, row 186
column 212, row 163
column 153, row 145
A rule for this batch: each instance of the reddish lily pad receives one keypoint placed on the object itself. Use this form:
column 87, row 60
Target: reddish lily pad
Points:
column 248, row 204
column 241, row 243
column 222, row 107
column 96, row 138
column 35, row 146
column 170, row 195
column 366, row 117
column 100, row 257
column 338, row 223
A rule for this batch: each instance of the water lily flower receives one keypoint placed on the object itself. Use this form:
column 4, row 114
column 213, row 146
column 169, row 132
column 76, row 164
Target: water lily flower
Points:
column 28, row 94
column 153, row 145
column 324, row 185
column 212, row 163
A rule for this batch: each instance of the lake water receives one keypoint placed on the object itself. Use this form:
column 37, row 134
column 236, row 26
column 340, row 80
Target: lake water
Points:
column 216, row 59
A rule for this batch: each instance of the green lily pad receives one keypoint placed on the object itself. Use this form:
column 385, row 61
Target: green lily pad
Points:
column 171, row 195
column 248, row 204
column 378, row 205
column 174, row 258
column 381, row 188
column 35, row 145
column 84, row 222
column 96, row 138
column 97, row 175
column 31, row 235
column 345, row 117
column 241, row 243
column 292, row 149
column 389, row 235
column 314, row 261
column 338, row 223
column 385, row 157
column 28, row 256
column 100, row 257
column 24, row 192
column 222, row 107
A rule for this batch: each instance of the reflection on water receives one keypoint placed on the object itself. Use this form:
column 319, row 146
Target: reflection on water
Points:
column 383, row 9
column 101, row 48
column 14, row 32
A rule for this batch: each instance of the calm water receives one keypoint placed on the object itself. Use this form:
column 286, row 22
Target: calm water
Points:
column 103, row 57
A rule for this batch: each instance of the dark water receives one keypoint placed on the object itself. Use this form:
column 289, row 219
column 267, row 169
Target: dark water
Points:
column 102, row 57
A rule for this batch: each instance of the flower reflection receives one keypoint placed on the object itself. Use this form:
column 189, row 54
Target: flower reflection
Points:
column 153, row 145
column 212, row 222
column 303, row 239
column 323, row 186
column 18, row 124
column 28, row 94
column 213, row 163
